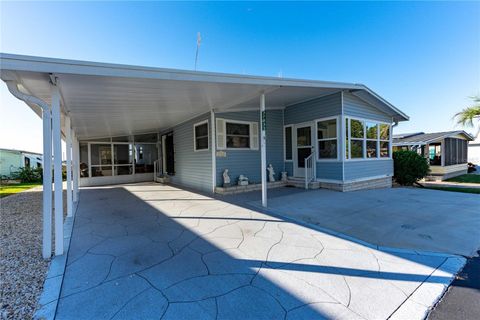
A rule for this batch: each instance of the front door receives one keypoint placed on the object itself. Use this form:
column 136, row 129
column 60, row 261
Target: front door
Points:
column 302, row 146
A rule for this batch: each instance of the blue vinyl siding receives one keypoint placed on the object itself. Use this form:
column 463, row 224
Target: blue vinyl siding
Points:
column 289, row 168
column 355, row 107
column 192, row 169
column 247, row 162
column 329, row 170
column 368, row 168
column 326, row 106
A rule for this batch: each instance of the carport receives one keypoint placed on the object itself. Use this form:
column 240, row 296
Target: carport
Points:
column 86, row 100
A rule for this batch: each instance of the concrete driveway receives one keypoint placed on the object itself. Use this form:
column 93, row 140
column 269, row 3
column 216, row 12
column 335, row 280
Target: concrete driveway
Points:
column 411, row 218
column 149, row 251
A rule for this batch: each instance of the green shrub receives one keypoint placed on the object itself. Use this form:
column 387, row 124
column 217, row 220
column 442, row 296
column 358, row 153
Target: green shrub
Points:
column 409, row 167
column 28, row 174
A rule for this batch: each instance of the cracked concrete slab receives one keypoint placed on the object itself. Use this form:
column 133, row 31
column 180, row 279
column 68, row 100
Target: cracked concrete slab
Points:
column 410, row 218
column 153, row 251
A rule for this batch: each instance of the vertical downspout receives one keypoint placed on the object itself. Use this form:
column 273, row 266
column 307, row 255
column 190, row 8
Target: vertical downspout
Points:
column 47, row 164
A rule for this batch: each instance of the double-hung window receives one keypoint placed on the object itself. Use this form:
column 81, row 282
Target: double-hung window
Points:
column 235, row 134
column 200, row 131
column 327, row 139
column 384, row 140
column 288, row 143
column 371, row 129
column 357, row 137
column 238, row 135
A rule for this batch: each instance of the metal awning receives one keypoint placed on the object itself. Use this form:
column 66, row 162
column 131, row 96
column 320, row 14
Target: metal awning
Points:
column 109, row 99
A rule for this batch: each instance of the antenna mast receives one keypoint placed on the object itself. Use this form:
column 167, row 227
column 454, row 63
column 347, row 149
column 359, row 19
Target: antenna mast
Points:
column 199, row 39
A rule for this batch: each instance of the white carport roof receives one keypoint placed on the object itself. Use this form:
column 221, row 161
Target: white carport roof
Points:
column 105, row 99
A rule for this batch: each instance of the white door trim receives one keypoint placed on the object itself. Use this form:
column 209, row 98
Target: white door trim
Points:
column 300, row 172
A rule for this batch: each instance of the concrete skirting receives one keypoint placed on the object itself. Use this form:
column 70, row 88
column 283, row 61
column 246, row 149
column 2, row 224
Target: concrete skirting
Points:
column 250, row 187
column 385, row 182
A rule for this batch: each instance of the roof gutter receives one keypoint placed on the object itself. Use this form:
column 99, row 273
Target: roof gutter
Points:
column 13, row 88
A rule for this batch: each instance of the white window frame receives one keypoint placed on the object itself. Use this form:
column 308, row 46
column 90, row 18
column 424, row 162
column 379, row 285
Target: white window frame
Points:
column 250, row 136
column 195, row 136
column 285, row 142
column 364, row 158
column 317, row 150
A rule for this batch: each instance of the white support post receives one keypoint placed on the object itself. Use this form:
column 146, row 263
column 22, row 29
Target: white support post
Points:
column 263, row 150
column 57, row 170
column 75, row 167
column 47, row 184
column 68, row 147
column 213, row 146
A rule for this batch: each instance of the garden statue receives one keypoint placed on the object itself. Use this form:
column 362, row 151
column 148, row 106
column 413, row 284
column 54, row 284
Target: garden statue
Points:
column 226, row 179
column 271, row 173
column 242, row 180
column 284, row 176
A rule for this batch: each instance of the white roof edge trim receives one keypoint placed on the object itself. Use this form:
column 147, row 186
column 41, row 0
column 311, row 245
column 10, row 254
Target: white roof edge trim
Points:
column 14, row 62
column 54, row 65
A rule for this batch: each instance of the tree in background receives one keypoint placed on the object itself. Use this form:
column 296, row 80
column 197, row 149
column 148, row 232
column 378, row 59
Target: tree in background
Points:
column 467, row 115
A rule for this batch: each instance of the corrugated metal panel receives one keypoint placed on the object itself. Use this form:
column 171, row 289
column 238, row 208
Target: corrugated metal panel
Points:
column 326, row 106
column 192, row 169
column 353, row 106
column 368, row 168
column 247, row 162
column 329, row 170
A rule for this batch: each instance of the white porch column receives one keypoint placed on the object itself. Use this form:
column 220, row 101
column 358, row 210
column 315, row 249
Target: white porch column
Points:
column 213, row 148
column 57, row 170
column 75, row 167
column 263, row 150
column 47, row 184
column 68, row 147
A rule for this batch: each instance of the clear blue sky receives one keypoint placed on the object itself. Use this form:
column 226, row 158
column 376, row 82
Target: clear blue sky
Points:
column 421, row 56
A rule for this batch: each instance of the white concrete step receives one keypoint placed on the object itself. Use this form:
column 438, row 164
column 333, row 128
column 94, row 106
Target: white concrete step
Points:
column 300, row 183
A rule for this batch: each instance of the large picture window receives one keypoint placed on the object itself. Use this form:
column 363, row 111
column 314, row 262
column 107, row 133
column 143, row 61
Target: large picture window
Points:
column 238, row 135
column 201, row 136
column 118, row 156
column 327, row 139
column 366, row 139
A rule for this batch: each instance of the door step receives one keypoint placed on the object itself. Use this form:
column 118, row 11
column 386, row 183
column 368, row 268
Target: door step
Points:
column 300, row 183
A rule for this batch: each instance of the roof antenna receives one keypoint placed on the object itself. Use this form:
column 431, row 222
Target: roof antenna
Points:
column 199, row 39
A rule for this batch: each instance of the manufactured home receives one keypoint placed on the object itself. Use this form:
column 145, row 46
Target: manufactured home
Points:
column 125, row 124
column 13, row 160
column 447, row 152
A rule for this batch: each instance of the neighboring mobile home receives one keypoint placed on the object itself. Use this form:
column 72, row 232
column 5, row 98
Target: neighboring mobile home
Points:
column 447, row 151
column 474, row 150
column 12, row 160
column 124, row 124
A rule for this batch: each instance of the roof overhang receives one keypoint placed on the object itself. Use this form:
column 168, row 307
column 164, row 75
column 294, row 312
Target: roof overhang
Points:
column 105, row 99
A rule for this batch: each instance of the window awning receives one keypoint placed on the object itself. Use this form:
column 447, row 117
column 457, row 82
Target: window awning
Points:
column 109, row 99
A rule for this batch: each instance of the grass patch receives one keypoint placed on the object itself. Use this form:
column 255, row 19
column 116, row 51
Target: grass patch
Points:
column 9, row 189
column 466, row 178
column 453, row 189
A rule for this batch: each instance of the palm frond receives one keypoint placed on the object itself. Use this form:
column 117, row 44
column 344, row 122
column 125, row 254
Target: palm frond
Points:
column 467, row 115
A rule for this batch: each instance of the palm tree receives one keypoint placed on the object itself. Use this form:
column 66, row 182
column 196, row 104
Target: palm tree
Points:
column 466, row 116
